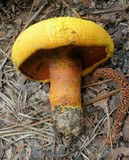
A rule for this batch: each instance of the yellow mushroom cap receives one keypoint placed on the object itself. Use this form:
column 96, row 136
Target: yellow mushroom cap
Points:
column 33, row 47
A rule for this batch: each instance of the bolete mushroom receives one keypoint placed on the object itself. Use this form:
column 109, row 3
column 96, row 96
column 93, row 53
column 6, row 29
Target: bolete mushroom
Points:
column 61, row 50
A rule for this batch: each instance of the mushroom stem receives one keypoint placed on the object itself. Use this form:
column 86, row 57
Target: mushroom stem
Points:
column 65, row 93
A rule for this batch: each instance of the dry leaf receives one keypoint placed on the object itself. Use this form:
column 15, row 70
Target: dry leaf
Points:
column 102, row 103
column 118, row 153
column 126, row 130
column 2, row 35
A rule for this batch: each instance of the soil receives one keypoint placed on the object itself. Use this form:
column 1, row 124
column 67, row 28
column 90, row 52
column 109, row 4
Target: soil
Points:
column 26, row 127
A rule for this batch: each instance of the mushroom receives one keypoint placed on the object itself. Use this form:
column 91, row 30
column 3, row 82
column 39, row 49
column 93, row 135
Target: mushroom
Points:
column 60, row 51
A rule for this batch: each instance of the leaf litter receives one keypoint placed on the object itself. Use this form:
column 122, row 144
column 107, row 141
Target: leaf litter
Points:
column 26, row 130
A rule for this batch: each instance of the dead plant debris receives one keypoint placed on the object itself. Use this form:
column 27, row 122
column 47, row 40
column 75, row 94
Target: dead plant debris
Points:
column 26, row 129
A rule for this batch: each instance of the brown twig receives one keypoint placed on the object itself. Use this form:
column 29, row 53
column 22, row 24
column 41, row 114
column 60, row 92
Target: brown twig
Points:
column 28, row 17
column 102, row 82
column 73, row 10
column 110, row 10
column 31, row 125
column 101, row 97
column 35, row 15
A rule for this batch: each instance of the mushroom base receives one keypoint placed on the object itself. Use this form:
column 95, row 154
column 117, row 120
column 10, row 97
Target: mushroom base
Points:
column 68, row 120
column 65, row 92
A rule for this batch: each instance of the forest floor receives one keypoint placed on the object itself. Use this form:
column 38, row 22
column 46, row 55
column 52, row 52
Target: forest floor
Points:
column 26, row 128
